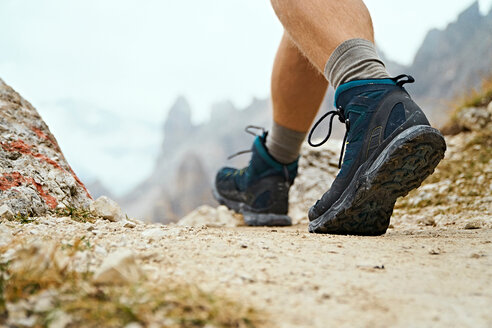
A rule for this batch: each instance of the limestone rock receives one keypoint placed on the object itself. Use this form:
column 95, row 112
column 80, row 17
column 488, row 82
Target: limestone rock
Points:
column 317, row 171
column 475, row 118
column 5, row 235
column 129, row 224
column 5, row 212
column 36, row 259
column 107, row 209
column 34, row 175
column 59, row 319
column 43, row 303
column 118, row 268
column 153, row 234
column 212, row 217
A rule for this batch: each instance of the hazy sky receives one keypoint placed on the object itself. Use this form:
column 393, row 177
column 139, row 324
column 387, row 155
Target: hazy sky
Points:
column 132, row 58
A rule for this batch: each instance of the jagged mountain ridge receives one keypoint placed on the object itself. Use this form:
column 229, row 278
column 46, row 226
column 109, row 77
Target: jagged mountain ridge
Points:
column 197, row 150
column 452, row 61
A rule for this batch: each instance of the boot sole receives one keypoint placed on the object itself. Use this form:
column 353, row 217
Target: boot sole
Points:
column 252, row 218
column 366, row 206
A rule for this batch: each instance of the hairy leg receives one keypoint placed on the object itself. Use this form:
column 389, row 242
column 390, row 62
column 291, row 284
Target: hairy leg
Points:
column 297, row 88
column 317, row 27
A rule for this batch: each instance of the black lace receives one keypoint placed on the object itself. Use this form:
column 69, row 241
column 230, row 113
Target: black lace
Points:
column 249, row 129
column 341, row 116
column 342, row 119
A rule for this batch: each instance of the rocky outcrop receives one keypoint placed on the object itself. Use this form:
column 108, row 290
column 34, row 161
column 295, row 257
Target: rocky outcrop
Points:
column 318, row 168
column 189, row 157
column 34, row 175
column 476, row 118
column 452, row 61
column 189, row 188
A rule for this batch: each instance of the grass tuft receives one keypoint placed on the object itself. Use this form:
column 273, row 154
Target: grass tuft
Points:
column 164, row 303
column 23, row 218
column 76, row 213
column 475, row 98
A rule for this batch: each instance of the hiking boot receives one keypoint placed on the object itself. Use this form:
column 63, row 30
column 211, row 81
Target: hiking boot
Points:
column 259, row 191
column 390, row 150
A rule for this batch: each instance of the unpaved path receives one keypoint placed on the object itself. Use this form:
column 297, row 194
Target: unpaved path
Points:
column 410, row 277
column 406, row 278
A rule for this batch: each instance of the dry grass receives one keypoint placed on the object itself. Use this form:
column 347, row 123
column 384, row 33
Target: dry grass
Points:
column 474, row 98
column 481, row 97
column 165, row 303
column 76, row 214
column 23, row 218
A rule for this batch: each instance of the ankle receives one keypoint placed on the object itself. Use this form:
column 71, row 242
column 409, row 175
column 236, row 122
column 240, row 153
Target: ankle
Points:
column 354, row 59
column 284, row 144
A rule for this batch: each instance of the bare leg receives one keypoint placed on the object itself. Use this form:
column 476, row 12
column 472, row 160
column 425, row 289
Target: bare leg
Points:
column 317, row 27
column 297, row 88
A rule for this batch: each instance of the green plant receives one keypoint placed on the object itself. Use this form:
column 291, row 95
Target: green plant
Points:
column 76, row 213
column 23, row 218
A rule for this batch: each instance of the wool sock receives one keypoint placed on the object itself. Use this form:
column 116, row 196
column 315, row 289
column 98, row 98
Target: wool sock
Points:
column 354, row 59
column 284, row 144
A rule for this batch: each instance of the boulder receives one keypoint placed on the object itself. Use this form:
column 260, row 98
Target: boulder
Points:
column 107, row 209
column 35, row 177
column 475, row 118
column 118, row 268
column 5, row 212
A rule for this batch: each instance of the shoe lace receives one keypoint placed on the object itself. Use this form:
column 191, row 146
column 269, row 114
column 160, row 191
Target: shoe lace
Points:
column 342, row 119
column 250, row 130
column 399, row 80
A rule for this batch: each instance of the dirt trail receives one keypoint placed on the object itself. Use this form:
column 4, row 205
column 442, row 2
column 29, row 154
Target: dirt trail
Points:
column 406, row 278
column 419, row 276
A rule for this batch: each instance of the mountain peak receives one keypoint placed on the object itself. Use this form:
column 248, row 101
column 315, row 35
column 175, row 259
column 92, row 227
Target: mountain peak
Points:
column 179, row 115
column 471, row 13
column 181, row 108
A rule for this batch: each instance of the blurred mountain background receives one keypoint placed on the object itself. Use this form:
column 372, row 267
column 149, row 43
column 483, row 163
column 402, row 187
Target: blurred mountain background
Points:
column 448, row 63
column 100, row 72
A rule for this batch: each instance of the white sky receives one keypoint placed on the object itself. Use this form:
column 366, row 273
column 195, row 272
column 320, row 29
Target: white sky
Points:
column 132, row 58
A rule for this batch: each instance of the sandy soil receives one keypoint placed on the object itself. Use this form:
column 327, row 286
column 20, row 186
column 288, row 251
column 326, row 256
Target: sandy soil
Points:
column 406, row 278
column 415, row 276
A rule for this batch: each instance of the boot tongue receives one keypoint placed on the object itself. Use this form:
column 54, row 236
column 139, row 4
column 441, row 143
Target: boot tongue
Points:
column 347, row 91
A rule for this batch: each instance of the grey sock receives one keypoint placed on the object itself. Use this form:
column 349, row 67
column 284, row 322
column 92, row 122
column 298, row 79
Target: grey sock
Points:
column 354, row 59
column 284, row 144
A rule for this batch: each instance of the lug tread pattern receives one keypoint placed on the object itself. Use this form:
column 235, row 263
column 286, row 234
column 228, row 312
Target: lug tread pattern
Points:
column 405, row 169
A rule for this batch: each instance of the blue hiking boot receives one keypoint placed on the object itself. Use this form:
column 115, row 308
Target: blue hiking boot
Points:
column 390, row 150
column 259, row 191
